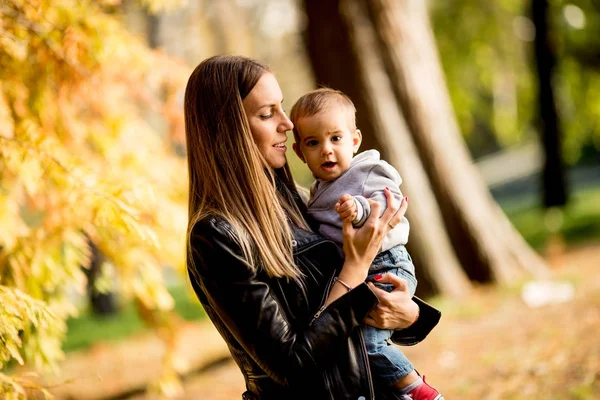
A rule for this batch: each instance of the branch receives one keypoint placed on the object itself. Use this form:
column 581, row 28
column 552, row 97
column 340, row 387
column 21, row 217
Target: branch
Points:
column 117, row 202
column 37, row 30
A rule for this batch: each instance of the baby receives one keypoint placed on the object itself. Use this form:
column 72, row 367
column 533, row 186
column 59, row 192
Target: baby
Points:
column 326, row 139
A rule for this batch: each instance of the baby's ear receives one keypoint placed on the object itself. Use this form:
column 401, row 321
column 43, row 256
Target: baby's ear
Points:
column 356, row 139
column 296, row 148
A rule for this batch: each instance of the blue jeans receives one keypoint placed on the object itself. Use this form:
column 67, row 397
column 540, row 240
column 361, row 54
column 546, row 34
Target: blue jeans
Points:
column 388, row 363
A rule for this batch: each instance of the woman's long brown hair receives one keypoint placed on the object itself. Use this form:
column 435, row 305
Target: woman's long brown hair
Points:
column 228, row 176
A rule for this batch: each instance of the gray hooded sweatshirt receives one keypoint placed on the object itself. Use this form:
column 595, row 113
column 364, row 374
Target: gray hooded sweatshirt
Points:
column 366, row 178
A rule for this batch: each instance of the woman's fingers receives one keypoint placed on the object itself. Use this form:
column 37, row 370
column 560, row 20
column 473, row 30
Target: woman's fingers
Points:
column 348, row 230
column 375, row 211
column 370, row 321
column 392, row 215
column 399, row 283
column 391, row 204
column 394, row 212
column 348, row 214
column 378, row 292
column 375, row 319
column 395, row 310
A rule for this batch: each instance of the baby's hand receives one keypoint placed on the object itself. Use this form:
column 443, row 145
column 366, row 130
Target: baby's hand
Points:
column 346, row 208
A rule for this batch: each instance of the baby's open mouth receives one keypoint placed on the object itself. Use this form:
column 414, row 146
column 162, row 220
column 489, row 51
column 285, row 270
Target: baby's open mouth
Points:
column 328, row 164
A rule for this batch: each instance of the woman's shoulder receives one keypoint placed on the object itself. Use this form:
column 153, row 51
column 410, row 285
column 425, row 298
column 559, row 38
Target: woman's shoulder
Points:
column 212, row 241
column 212, row 226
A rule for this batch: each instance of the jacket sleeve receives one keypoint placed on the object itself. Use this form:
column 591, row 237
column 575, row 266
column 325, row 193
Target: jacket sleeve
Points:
column 417, row 332
column 255, row 317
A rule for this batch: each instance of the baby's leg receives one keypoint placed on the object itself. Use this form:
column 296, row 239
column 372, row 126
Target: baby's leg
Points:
column 389, row 366
column 395, row 261
column 392, row 372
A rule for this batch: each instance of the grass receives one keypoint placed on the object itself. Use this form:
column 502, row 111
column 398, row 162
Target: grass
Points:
column 581, row 219
column 89, row 328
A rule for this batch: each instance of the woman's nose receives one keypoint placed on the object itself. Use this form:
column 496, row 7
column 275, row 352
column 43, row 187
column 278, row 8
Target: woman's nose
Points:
column 286, row 124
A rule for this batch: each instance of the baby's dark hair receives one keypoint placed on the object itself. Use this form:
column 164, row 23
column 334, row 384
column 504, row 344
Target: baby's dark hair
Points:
column 319, row 100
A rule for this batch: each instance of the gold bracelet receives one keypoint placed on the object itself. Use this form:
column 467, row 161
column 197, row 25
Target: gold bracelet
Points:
column 344, row 284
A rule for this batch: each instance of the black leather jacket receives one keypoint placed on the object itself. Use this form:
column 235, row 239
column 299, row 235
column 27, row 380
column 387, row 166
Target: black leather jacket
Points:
column 285, row 350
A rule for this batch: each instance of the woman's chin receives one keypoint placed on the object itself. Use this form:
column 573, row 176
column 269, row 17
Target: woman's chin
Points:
column 277, row 162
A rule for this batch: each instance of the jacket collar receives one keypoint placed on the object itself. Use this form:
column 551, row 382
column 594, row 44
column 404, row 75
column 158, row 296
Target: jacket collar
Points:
column 303, row 239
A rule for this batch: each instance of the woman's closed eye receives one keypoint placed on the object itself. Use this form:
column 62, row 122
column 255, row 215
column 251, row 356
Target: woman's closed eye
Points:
column 272, row 113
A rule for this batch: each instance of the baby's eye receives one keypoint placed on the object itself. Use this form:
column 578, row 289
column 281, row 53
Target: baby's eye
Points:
column 336, row 138
column 312, row 143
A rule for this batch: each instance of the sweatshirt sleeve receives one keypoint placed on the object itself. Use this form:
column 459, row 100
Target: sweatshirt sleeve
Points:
column 380, row 176
column 363, row 210
column 254, row 315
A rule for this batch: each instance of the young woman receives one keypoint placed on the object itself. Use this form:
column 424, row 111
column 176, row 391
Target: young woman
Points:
column 279, row 294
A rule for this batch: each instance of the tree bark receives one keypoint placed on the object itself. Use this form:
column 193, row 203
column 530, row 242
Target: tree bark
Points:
column 332, row 60
column 487, row 245
column 553, row 175
column 153, row 29
column 340, row 43
column 101, row 303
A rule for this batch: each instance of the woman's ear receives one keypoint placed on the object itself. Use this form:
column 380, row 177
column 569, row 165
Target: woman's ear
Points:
column 356, row 140
column 296, row 148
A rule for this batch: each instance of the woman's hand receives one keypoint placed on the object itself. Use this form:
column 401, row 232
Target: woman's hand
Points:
column 396, row 309
column 362, row 245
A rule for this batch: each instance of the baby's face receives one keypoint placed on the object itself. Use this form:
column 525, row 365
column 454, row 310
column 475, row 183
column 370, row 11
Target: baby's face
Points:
column 327, row 143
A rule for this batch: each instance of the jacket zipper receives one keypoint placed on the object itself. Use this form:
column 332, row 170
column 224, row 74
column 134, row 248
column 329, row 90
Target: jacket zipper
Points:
column 366, row 364
column 363, row 346
column 329, row 284
column 321, row 308
column 362, row 340
column 325, row 295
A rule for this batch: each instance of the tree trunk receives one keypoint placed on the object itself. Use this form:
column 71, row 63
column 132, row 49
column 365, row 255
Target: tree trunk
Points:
column 488, row 247
column 553, row 176
column 334, row 64
column 343, row 57
column 153, row 29
column 102, row 303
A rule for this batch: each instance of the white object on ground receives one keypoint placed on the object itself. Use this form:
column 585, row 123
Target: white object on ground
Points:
column 540, row 293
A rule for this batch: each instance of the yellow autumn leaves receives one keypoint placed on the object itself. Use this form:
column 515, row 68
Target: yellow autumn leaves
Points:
column 88, row 128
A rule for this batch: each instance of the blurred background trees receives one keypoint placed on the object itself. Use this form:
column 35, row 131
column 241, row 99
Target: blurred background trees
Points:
column 483, row 241
column 91, row 138
column 547, row 122
column 488, row 59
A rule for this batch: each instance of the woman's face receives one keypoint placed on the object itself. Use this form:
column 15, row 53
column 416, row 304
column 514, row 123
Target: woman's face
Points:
column 268, row 121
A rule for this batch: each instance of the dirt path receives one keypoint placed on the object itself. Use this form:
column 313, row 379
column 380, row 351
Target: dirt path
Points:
column 492, row 346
